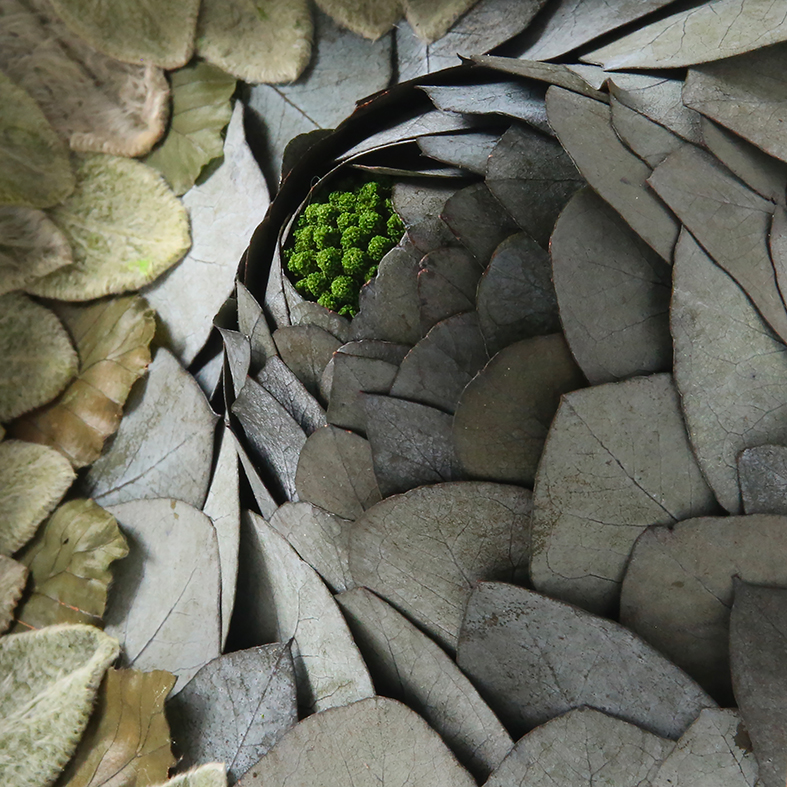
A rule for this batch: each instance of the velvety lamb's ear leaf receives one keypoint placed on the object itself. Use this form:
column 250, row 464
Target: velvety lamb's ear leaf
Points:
column 164, row 604
column 112, row 339
column 714, row 751
column 568, row 24
column 762, row 471
column 224, row 211
column 468, row 151
column 410, row 667
column 164, row 445
column 13, row 577
column 377, row 742
column 285, row 599
column 579, row 746
column 533, row 658
column 424, row 550
column 306, row 349
column 650, row 141
column 631, row 438
column 447, row 284
column 612, row 170
column 432, row 20
column 729, row 220
column 162, row 34
column 30, row 247
column 437, row 369
column 39, row 359
column 35, row 171
column 127, row 739
column 212, row 774
column 613, row 292
column 732, row 395
column 223, row 507
column 678, row 587
column 33, row 479
column 235, row 708
column 50, row 680
column 200, row 110
column 503, row 415
column 256, row 44
column 411, row 443
column 278, row 380
column 335, row 472
column 125, row 228
column 516, row 297
column 322, row 539
column 69, row 560
column 368, row 18
column 94, row 102
column 761, row 172
column 758, row 636
column 695, row 35
column 533, row 178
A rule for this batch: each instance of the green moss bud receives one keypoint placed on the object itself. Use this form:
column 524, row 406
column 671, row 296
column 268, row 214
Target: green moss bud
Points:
column 344, row 289
column 343, row 200
column 371, row 273
column 348, row 311
column 329, row 262
column 354, row 263
column 378, row 247
column 311, row 214
column 304, row 238
column 346, row 220
column 325, row 237
column 317, row 283
column 302, row 286
column 369, row 222
column 352, row 237
column 302, row 263
column 326, row 215
column 395, row 228
column 328, row 301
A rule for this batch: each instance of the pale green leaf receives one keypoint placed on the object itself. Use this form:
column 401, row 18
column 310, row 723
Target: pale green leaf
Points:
column 214, row 774
column 13, row 576
column 368, row 18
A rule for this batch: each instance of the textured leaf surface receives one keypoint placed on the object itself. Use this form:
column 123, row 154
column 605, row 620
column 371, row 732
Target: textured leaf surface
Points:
column 368, row 18
column 164, row 446
column 534, row 658
column 467, row 151
column 200, row 110
column 292, row 602
column 279, row 381
column 235, row 708
column 377, row 742
column 164, row 605
column 583, row 746
column 50, row 680
column 613, row 292
column 213, row 774
column 112, row 338
column 306, row 349
column 38, row 357
column 34, row 168
column 69, row 563
column 678, row 587
column 13, row 576
column 224, row 210
column 127, row 738
column 650, row 141
column 424, row 550
column 732, row 392
column 125, row 228
column 762, row 471
column 408, row 666
column 33, row 479
column 630, row 439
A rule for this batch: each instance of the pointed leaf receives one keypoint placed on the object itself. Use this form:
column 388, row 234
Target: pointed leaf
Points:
column 368, row 18
column 33, row 479
column 39, row 359
column 237, row 353
column 213, row 774
column 630, row 439
column 432, row 20
column 164, row 604
column 224, row 212
column 13, row 576
column 468, row 151
column 762, row 471
column 732, row 395
column 112, row 339
column 235, row 708
column 164, row 445
column 650, row 141
column 69, row 562
column 279, row 381
column 127, row 738
column 50, row 679
column 534, row 658
column 306, row 349
column 424, row 550
column 125, row 228
column 262, row 497
column 253, row 325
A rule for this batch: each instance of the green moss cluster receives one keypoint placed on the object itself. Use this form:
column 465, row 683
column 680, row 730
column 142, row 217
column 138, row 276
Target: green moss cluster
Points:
column 337, row 243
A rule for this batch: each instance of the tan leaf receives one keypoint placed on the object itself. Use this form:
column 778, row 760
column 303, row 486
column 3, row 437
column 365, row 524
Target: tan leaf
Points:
column 432, row 19
column 127, row 741
column 368, row 18
column 13, row 576
column 69, row 561
column 112, row 339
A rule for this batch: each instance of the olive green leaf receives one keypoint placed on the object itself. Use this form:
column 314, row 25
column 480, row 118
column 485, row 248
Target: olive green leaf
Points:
column 127, row 741
column 431, row 19
column 125, row 228
column 69, row 561
column 33, row 478
column 13, row 576
column 34, row 168
column 200, row 110
column 268, row 41
column 112, row 339
column 38, row 359
column 50, row 678
column 94, row 102
column 368, row 18
column 30, row 246
column 213, row 774
column 136, row 31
